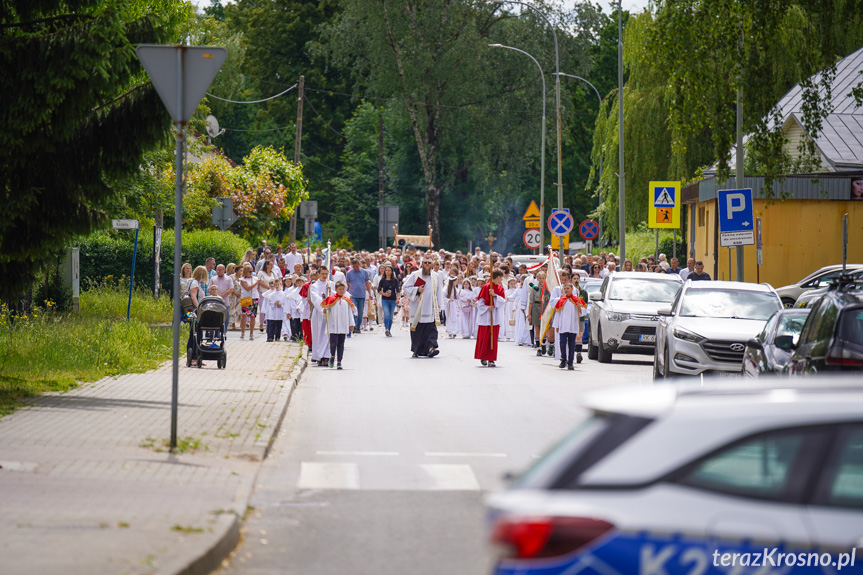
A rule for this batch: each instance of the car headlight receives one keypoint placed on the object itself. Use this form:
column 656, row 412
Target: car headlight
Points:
column 614, row 316
column 687, row 335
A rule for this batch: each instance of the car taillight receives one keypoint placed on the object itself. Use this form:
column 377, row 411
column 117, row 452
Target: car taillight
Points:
column 840, row 361
column 537, row 537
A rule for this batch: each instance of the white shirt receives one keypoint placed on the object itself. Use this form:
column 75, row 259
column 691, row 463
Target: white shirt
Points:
column 274, row 312
column 483, row 310
column 684, row 273
column 341, row 315
column 292, row 259
column 566, row 320
column 253, row 293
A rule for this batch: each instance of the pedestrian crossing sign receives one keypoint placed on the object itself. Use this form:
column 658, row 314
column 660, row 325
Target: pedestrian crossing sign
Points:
column 664, row 209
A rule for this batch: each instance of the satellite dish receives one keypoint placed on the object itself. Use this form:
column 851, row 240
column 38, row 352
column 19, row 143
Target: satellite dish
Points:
column 213, row 127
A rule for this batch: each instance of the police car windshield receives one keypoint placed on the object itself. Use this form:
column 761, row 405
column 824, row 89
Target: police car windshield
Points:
column 631, row 289
column 729, row 304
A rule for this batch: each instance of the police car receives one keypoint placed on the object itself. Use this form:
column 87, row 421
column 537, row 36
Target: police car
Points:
column 726, row 479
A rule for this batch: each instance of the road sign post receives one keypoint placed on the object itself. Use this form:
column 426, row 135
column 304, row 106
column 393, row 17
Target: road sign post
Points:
column 844, row 243
column 759, row 257
column 181, row 76
column 129, row 225
column 736, row 220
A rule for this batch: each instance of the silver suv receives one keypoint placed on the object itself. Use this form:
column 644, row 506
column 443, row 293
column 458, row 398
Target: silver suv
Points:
column 623, row 316
column 706, row 328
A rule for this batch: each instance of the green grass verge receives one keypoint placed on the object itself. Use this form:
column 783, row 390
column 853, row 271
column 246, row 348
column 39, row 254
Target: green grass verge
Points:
column 50, row 351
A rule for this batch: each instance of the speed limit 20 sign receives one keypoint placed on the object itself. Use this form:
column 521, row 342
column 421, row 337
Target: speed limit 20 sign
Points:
column 531, row 238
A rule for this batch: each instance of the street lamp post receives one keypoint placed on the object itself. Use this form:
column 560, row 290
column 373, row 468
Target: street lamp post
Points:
column 557, row 98
column 598, row 97
column 621, row 185
column 542, row 148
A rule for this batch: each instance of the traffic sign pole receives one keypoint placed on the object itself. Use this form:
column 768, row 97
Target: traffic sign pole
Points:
column 181, row 89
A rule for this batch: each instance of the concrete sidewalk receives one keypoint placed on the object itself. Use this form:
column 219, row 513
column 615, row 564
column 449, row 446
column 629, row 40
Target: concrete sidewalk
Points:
column 87, row 485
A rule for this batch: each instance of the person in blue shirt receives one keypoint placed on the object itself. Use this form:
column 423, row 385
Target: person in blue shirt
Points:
column 358, row 282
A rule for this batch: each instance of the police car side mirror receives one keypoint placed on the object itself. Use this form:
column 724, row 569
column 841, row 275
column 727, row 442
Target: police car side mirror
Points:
column 664, row 311
column 595, row 296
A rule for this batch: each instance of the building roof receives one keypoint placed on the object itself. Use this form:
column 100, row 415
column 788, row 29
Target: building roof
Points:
column 841, row 137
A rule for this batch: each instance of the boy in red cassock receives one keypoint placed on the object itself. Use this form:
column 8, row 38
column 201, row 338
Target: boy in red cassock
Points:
column 490, row 305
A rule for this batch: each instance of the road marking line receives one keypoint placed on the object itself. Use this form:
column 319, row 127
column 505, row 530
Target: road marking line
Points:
column 383, row 453
column 461, row 454
column 452, row 477
column 329, row 476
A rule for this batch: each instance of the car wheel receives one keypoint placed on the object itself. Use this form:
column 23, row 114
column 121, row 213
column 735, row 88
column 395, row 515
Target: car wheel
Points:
column 592, row 351
column 657, row 373
column 787, row 302
column 602, row 355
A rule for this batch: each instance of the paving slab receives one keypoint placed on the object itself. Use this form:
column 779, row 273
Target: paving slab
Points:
column 88, row 485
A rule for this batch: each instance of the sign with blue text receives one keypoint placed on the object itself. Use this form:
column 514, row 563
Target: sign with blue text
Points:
column 736, row 217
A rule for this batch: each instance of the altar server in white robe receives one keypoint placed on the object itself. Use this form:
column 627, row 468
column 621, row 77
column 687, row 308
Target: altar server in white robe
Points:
column 341, row 317
column 318, row 291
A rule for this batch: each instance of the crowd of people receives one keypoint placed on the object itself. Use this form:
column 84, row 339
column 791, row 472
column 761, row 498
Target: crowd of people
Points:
column 296, row 295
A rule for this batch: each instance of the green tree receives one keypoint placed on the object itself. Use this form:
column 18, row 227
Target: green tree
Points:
column 76, row 109
column 472, row 110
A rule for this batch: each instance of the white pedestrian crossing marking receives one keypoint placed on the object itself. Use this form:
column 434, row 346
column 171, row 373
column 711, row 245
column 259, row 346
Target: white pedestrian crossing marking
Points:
column 329, row 476
column 461, row 454
column 452, row 477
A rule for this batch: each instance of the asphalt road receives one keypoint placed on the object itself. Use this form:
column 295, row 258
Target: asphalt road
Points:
column 381, row 468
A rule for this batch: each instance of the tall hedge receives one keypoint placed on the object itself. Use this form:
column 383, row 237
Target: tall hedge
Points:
column 109, row 253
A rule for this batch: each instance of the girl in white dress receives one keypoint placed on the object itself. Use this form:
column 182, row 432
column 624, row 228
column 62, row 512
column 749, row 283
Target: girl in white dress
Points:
column 453, row 313
column 466, row 302
column 509, row 310
column 340, row 312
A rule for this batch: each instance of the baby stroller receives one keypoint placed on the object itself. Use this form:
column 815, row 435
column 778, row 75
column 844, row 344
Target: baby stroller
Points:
column 206, row 336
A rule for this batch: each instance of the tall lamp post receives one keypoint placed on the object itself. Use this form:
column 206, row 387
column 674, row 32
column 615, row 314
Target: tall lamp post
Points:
column 542, row 148
column 598, row 97
column 621, row 183
column 557, row 98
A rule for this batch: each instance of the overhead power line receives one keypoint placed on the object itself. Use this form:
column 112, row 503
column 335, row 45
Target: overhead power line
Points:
column 253, row 101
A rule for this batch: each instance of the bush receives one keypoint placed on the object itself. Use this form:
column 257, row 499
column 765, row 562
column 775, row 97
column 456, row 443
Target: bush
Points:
column 108, row 254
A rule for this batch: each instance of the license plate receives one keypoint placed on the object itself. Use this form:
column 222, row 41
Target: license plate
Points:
column 730, row 374
column 647, row 338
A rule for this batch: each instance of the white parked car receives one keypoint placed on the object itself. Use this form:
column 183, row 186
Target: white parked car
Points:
column 676, row 480
column 623, row 316
column 706, row 328
column 815, row 280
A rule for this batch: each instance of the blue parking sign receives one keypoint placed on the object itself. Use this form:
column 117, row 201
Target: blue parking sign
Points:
column 736, row 213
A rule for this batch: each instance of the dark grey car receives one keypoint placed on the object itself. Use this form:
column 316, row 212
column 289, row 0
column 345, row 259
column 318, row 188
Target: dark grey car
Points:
column 770, row 350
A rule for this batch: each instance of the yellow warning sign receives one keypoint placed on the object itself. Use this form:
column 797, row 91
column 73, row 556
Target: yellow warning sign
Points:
column 532, row 212
column 531, row 223
column 555, row 245
column 664, row 205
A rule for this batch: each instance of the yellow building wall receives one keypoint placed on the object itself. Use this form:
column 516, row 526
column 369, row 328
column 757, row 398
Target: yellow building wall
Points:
column 799, row 237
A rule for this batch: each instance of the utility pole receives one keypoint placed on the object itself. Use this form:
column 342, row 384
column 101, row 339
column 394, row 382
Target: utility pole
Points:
column 621, row 182
column 297, row 143
column 383, row 216
column 738, row 175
